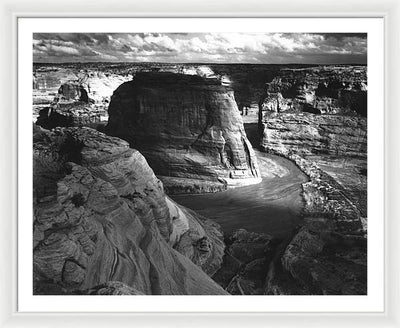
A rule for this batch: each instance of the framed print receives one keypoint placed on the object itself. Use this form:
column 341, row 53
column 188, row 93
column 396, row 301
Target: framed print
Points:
column 189, row 164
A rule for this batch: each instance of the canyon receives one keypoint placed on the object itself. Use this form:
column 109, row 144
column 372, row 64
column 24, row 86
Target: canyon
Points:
column 238, row 179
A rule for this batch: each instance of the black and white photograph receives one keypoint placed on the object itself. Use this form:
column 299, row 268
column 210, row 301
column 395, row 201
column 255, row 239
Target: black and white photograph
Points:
column 200, row 163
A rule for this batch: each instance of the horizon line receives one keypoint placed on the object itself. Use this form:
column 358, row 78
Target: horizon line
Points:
column 196, row 63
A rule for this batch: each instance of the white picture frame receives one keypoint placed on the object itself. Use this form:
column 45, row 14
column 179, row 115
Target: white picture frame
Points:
column 9, row 311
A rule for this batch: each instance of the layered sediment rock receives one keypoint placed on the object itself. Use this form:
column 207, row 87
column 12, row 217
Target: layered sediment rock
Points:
column 328, row 252
column 80, row 98
column 70, row 114
column 319, row 90
column 307, row 134
column 188, row 128
column 101, row 215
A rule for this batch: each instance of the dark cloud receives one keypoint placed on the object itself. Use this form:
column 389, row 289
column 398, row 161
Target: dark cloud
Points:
column 341, row 36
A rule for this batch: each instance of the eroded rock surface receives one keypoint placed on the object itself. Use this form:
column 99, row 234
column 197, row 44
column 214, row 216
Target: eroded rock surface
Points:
column 111, row 288
column 328, row 253
column 188, row 128
column 101, row 215
column 319, row 90
column 309, row 134
column 317, row 119
column 73, row 97
column 247, row 258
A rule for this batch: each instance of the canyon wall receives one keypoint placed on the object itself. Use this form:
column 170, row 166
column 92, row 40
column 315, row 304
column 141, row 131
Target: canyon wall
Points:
column 311, row 134
column 318, row 120
column 318, row 90
column 315, row 117
column 101, row 216
column 189, row 129
column 73, row 97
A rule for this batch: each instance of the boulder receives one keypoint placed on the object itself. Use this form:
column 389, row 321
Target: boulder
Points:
column 246, row 261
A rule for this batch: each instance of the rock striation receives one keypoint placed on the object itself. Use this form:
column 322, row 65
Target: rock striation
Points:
column 101, row 215
column 309, row 134
column 317, row 119
column 189, row 129
column 110, row 288
column 80, row 98
column 69, row 114
column 318, row 90
column 327, row 253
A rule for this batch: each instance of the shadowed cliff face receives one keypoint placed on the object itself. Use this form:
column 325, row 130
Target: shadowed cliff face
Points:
column 188, row 128
column 318, row 90
column 101, row 215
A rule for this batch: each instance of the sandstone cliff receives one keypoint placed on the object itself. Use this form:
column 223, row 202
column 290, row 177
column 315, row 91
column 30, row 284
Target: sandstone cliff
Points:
column 101, row 215
column 188, row 128
column 307, row 134
column 73, row 97
column 319, row 90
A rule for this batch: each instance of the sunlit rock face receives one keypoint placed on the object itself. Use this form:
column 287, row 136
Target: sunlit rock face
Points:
column 101, row 215
column 73, row 96
column 310, row 134
column 188, row 128
column 69, row 114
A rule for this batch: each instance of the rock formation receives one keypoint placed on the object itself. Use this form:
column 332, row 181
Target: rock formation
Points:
column 101, row 215
column 317, row 119
column 69, row 114
column 188, row 128
column 325, row 255
column 103, row 225
column 318, row 90
column 308, row 134
column 328, row 253
column 247, row 258
column 73, row 97
column 73, row 91
column 110, row 288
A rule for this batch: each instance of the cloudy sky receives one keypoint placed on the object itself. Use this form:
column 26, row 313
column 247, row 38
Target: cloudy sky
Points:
column 263, row 48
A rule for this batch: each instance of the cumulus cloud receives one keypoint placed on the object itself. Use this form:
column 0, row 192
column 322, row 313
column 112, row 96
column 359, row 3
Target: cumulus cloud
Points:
column 201, row 47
